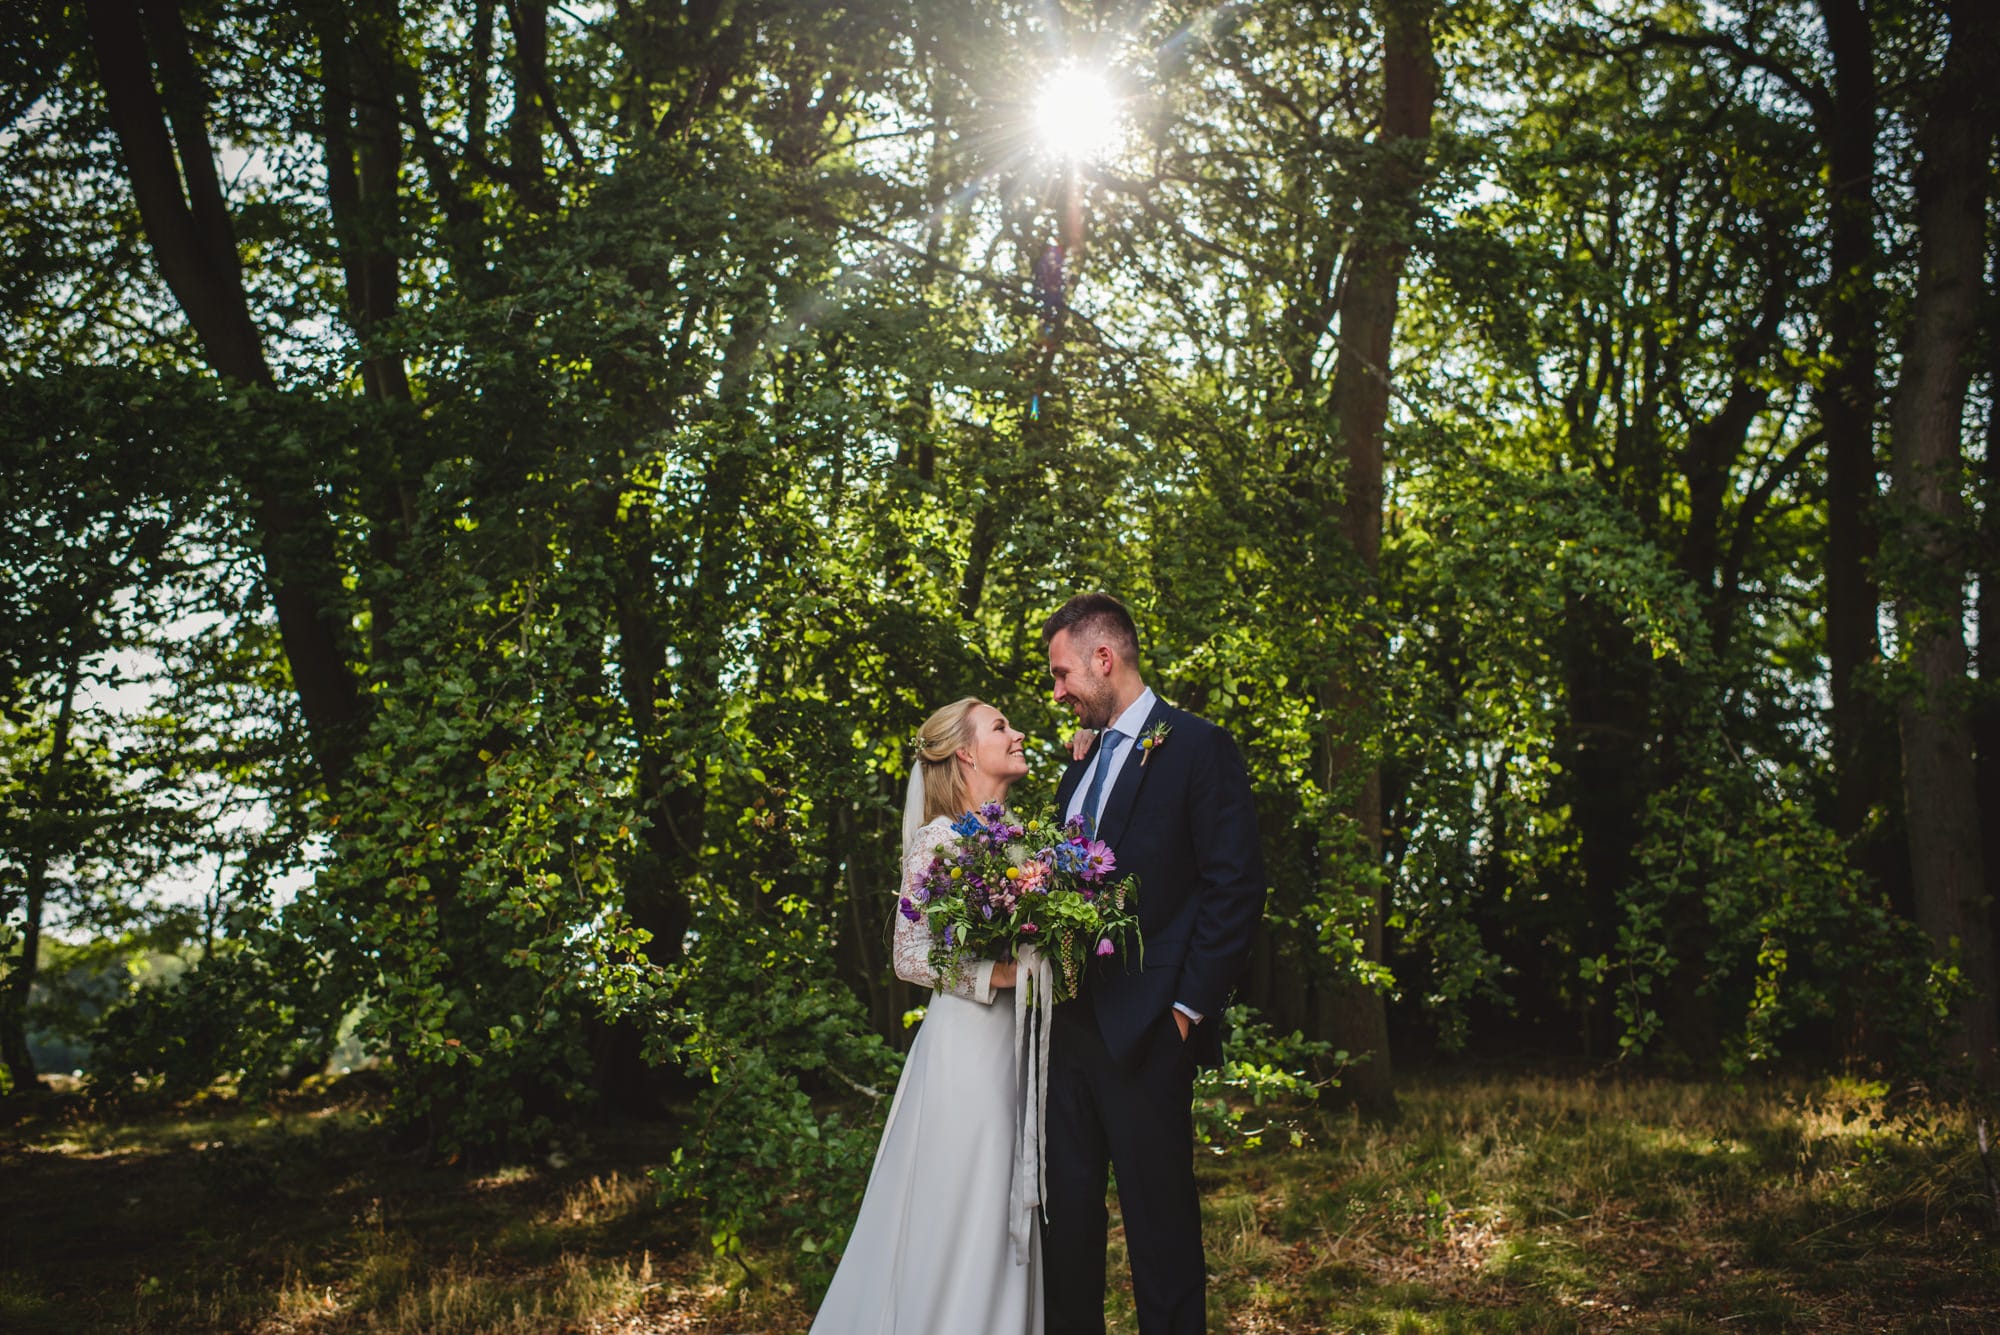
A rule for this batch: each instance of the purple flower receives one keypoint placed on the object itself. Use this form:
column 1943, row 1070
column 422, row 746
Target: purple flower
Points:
column 1104, row 947
column 909, row 910
column 992, row 811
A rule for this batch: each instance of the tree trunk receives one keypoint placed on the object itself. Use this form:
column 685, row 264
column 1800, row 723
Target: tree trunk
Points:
column 1353, row 1014
column 624, row 1079
column 524, row 127
column 861, row 950
column 1606, row 776
column 364, row 158
column 1709, row 462
column 671, row 840
column 1862, row 742
column 363, row 149
column 187, row 226
column 14, row 1053
column 1946, row 860
column 1986, row 713
column 672, row 786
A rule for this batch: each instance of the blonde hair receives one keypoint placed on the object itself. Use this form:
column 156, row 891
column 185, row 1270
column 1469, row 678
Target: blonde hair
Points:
column 939, row 741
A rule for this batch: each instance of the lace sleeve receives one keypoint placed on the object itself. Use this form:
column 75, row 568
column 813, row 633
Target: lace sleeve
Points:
column 912, row 945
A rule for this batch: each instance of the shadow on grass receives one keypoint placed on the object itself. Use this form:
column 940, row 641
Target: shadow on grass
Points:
column 299, row 1219
column 1524, row 1203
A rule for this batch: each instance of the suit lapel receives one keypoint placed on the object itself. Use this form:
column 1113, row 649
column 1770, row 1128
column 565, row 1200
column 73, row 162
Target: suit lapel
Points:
column 1125, row 792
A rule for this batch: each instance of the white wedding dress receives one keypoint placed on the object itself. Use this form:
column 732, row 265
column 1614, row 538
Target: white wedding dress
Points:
column 931, row 1253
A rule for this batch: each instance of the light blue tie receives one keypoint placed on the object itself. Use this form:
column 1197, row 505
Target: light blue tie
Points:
column 1091, row 799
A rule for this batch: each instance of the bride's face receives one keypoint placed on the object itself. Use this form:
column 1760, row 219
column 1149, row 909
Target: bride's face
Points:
column 995, row 750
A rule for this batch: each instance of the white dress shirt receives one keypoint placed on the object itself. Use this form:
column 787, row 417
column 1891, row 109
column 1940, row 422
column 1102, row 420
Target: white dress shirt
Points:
column 1111, row 759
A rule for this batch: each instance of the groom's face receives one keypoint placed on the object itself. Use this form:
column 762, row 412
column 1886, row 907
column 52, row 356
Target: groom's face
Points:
column 1082, row 681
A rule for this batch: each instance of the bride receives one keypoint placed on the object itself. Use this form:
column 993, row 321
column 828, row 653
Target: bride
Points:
column 934, row 1248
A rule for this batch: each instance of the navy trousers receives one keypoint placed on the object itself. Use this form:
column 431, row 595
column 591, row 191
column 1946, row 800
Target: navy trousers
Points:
column 1133, row 1118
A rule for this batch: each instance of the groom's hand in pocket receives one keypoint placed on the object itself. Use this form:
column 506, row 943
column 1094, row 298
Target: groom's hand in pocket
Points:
column 1182, row 1022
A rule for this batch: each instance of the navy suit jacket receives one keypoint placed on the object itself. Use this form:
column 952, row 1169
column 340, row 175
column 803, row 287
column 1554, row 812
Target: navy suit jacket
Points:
column 1181, row 820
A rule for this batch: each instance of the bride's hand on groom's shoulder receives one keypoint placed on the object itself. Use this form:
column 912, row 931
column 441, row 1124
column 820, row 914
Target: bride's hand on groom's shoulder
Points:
column 1080, row 743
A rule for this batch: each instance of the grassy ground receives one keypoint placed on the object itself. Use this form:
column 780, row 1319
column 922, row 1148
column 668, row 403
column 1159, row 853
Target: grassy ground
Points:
column 1516, row 1203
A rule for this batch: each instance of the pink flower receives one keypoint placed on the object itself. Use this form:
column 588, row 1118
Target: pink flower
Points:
column 1104, row 947
column 1029, row 929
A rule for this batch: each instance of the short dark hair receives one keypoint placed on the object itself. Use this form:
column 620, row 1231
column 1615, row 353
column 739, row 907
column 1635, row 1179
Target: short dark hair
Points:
column 1095, row 614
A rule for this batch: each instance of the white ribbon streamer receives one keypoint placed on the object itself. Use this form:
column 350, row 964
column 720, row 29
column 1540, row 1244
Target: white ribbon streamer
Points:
column 1034, row 1016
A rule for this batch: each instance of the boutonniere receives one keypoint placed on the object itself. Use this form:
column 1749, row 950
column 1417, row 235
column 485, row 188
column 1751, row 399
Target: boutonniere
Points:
column 1151, row 740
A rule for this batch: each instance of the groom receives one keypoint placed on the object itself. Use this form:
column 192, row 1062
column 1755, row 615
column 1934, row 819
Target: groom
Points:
column 1168, row 792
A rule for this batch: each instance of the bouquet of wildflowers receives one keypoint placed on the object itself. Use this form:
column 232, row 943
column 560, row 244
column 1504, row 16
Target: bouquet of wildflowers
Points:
column 1004, row 884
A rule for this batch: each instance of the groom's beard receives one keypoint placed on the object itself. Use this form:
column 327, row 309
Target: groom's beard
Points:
column 1096, row 712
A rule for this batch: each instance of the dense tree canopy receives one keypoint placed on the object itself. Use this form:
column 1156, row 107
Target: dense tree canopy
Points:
column 491, row 490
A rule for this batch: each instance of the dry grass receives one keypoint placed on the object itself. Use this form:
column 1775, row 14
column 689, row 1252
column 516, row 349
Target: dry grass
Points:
column 300, row 1222
column 1539, row 1203
column 1499, row 1203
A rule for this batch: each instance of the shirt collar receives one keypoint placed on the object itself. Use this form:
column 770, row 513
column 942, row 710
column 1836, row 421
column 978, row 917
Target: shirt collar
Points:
column 1134, row 718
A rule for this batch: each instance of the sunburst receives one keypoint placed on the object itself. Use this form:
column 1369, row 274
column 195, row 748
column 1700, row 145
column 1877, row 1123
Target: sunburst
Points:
column 1077, row 114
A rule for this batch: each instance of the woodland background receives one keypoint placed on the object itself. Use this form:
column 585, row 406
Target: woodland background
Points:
column 491, row 489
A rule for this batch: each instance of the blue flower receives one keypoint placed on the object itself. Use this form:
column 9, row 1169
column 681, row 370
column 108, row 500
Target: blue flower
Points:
column 966, row 826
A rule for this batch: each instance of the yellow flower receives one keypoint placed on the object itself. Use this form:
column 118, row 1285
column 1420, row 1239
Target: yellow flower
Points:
column 1013, row 873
